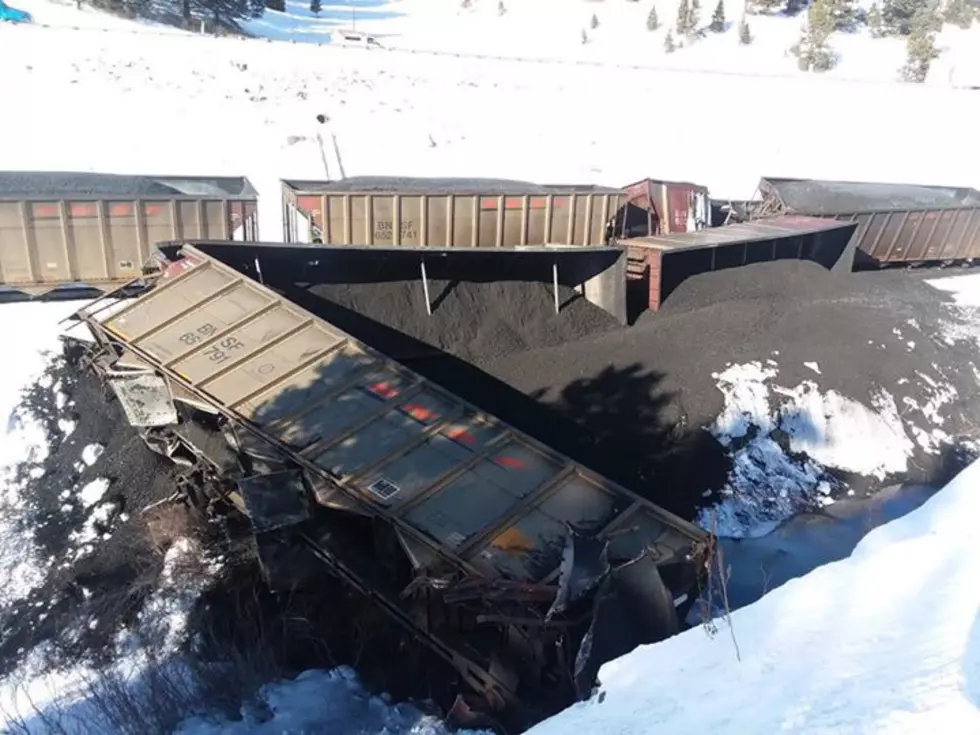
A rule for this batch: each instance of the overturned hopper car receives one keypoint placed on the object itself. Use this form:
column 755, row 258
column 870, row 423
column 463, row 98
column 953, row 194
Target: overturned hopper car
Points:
column 657, row 265
column 447, row 212
column 896, row 223
column 98, row 230
column 522, row 569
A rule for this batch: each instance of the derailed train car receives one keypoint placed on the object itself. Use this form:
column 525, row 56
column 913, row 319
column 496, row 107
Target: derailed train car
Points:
column 483, row 213
column 446, row 212
column 522, row 569
column 896, row 223
column 98, row 230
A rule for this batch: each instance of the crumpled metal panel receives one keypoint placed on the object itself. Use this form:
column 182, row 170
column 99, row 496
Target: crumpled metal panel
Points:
column 584, row 565
column 145, row 398
column 632, row 608
column 276, row 500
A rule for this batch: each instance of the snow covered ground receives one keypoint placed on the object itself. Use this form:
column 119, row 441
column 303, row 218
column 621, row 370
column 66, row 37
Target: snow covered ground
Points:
column 553, row 30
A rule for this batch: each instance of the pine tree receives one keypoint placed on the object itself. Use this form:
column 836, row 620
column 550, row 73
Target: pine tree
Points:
column 683, row 18
column 718, row 17
column 959, row 13
column 920, row 47
column 279, row 5
column 897, row 15
column 744, row 32
column 845, row 14
column 694, row 21
column 669, row 46
column 875, row 23
column 813, row 51
column 653, row 22
column 594, row 23
column 315, row 7
column 227, row 12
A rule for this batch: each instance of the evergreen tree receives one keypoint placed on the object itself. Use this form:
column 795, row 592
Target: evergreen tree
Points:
column 315, row 7
column 669, row 46
column 594, row 23
column 683, row 18
column 920, row 47
column 959, row 13
column 228, row 12
column 744, row 32
column 845, row 14
column 875, row 23
column 279, row 5
column 718, row 17
column 897, row 15
column 653, row 22
column 694, row 21
column 813, row 51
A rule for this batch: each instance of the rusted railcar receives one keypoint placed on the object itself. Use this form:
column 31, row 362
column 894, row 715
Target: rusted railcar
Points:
column 461, row 213
column 524, row 570
column 896, row 223
column 664, row 208
column 98, row 230
column 657, row 265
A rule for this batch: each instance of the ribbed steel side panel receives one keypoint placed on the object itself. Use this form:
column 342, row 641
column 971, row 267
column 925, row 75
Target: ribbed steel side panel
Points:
column 419, row 219
column 104, row 243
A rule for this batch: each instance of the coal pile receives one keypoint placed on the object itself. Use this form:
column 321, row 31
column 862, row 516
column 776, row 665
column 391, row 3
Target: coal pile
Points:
column 474, row 321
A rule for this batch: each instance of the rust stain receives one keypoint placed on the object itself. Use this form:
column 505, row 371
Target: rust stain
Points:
column 511, row 463
column 513, row 541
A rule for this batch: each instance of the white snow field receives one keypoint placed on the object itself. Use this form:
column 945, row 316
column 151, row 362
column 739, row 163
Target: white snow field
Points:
column 552, row 30
column 887, row 640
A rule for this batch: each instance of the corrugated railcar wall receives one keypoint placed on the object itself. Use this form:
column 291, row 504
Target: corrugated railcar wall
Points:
column 921, row 236
column 104, row 243
column 450, row 220
column 664, row 208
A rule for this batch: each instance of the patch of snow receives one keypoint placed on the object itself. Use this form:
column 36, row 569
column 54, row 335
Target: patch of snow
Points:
column 93, row 491
column 32, row 327
column 839, row 432
column 320, row 701
column 884, row 641
column 91, row 454
column 67, row 426
column 187, row 571
column 813, row 366
column 825, row 430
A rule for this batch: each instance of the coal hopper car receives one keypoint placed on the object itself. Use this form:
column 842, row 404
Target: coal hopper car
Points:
column 98, row 230
column 522, row 569
column 897, row 224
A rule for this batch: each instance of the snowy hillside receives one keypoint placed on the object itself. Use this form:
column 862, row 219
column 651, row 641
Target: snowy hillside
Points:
column 604, row 32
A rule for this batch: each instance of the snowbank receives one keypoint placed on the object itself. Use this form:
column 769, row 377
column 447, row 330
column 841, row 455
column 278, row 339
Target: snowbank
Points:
column 885, row 641
column 768, row 484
